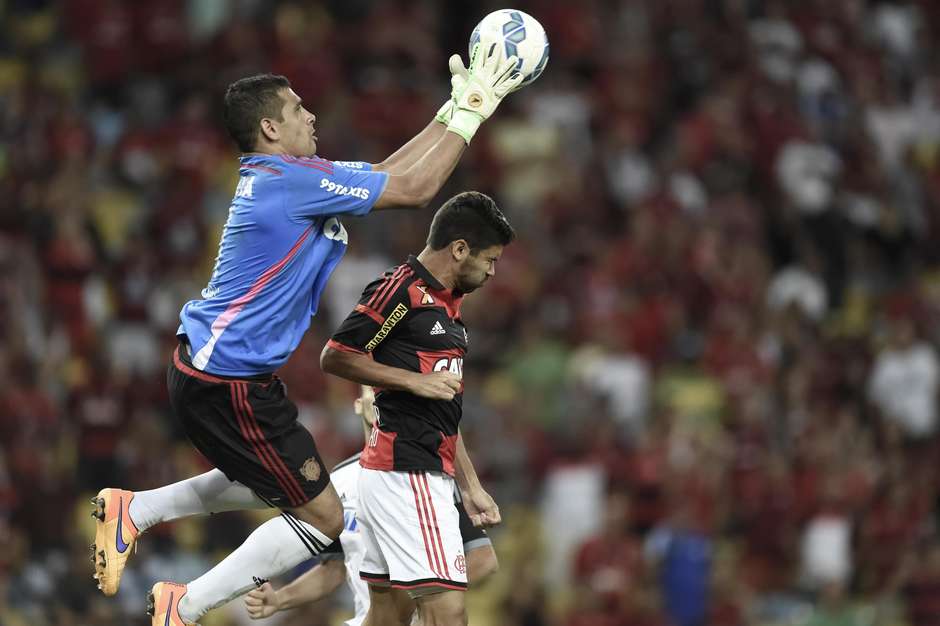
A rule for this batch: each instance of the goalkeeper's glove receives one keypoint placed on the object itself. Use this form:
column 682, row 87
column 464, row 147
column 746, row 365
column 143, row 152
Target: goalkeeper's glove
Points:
column 488, row 81
column 458, row 81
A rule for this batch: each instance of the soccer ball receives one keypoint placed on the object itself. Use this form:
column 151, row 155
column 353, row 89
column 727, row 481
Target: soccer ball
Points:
column 521, row 35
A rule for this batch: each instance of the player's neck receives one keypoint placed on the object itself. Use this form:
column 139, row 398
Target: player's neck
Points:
column 438, row 263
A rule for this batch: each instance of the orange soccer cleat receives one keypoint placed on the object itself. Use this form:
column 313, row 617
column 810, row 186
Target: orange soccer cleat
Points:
column 163, row 603
column 115, row 534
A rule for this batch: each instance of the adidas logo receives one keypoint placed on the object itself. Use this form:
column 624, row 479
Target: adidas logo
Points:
column 437, row 329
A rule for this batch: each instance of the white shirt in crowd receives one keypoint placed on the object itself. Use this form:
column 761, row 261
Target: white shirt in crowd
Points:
column 903, row 385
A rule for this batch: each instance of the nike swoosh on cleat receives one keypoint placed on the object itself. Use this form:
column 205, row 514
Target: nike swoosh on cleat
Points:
column 169, row 610
column 121, row 546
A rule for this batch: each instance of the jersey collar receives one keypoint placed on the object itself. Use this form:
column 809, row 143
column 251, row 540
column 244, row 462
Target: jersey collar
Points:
column 422, row 272
column 447, row 298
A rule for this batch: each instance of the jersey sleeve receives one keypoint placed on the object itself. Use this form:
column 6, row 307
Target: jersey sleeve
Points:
column 354, row 165
column 316, row 187
column 383, row 304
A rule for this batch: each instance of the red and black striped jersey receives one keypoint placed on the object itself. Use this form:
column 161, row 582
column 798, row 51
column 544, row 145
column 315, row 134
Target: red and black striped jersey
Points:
column 407, row 319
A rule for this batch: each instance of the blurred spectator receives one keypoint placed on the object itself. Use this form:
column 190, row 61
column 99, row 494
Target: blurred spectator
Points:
column 799, row 285
column 622, row 378
column 826, row 543
column 566, row 488
column 805, row 172
column 905, row 379
column 682, row 554
column 610, row 562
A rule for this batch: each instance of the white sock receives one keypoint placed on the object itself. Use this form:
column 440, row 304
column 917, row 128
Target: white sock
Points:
column 273, row 548
column 207, row 493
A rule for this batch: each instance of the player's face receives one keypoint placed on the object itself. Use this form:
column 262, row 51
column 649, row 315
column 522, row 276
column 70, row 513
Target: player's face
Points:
column 297, row 131
column 476, row 269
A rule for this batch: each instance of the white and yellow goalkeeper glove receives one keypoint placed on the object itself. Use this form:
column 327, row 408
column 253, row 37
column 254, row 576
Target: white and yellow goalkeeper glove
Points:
column 458, row 80
column 487, row 82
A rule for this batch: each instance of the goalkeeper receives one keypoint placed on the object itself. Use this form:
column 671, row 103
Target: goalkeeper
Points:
column 282, row 239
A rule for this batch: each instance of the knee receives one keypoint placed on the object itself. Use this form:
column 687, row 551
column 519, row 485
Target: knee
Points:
column 450, row 615
column 446, row 618
column 454, row 617
column 333, row 526
column 330, row 521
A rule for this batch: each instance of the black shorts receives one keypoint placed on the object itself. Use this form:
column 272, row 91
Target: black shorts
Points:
column 248, row 429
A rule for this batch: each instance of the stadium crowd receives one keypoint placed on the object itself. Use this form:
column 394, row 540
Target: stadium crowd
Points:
column 703, row 385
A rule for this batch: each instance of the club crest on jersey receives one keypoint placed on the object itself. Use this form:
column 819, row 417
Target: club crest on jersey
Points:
column 425, row 296
column 310, row 469
column 460, row 563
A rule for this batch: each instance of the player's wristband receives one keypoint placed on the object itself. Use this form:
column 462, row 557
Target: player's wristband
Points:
column 445, row 112
column 464, row 123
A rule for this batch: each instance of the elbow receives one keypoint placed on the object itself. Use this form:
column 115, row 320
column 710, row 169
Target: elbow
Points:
column 328, row 360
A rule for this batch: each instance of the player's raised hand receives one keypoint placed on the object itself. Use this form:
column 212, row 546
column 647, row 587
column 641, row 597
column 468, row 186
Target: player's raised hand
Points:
column 481, row 508
column 436, row 385
column 261, row 602
column 458, row 80
column 488, row 80
column 488, row 66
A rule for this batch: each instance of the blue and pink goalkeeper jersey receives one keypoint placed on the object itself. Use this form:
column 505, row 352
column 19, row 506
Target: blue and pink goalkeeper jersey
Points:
column 279, row 246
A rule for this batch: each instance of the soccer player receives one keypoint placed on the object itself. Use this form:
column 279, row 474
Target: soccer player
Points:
column 341, row 560
column 282, row 239
column 406, row 327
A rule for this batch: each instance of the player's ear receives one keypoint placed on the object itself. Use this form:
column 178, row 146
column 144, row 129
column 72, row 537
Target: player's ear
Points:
column 460, row 249
column 269, row 129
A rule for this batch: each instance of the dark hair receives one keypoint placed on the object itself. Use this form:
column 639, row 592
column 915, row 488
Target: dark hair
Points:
column 473, row 217
column 247, row 101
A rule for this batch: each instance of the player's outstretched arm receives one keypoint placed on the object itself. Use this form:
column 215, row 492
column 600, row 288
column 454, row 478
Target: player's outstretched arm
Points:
column 406, row 156
column 313, row 585
column 361, row 369
column 402, row 159
column 488, row 80
column 420, row 183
